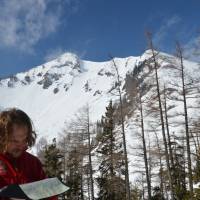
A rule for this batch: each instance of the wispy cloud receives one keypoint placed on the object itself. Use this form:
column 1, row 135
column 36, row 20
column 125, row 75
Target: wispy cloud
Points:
column 163, row 31
column 192, row 49
column 171, row 31
column 24, row 23
column 54, row 53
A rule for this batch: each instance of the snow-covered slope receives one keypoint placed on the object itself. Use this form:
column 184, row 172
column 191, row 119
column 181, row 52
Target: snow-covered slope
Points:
column 53, row 92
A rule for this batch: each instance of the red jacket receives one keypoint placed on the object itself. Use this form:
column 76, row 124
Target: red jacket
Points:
column 27, row 168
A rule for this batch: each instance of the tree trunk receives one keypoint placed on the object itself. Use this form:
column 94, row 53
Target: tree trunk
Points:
column 89, row 154
column 168, row 134
column 144, row 146
column 128, row 193
column 160, row 163
column 161, row 114
column 180, row 56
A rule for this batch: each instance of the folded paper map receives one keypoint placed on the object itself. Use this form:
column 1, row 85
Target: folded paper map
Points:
column 35, row 190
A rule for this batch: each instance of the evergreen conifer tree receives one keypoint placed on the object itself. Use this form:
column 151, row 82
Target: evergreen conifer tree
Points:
column 178, row 171
column 157, row 194
column 112, row 165
column 197, row 169
column 52, row 160
column 73, row 179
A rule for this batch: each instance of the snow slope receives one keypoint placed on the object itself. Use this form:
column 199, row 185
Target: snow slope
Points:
column 53, row 92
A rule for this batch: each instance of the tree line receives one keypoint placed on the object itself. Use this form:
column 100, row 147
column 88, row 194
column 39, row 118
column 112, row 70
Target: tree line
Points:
column 94, row 159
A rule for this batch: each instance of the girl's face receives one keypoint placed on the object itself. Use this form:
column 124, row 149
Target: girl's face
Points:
column 17, row 143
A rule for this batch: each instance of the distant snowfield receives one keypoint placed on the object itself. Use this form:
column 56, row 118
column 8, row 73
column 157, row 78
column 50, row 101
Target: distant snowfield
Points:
column 53, row 92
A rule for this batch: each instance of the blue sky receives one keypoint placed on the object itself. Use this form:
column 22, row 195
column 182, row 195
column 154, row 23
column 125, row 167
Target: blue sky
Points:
column 35, row 31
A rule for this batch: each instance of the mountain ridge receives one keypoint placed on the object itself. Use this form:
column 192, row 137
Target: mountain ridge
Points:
column 68, row 82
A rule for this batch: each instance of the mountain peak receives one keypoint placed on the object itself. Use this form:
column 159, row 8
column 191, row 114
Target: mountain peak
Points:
column 68, row 64
column 70, row 82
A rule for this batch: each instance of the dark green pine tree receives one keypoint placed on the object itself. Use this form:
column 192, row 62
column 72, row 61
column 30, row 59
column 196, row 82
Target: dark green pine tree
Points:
column 197, row 168
column 53, row 161
column 112, row 165
column 157, row 194
column 178, row 172
column 74, row 177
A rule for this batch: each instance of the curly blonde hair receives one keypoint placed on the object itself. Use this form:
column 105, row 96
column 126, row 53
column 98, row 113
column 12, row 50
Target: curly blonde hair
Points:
column 11, row 117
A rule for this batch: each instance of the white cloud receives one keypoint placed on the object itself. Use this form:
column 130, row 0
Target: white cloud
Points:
column 23, row 23
column 172, row 26
column 192, row 49
column 54, row 53
column 164, row 29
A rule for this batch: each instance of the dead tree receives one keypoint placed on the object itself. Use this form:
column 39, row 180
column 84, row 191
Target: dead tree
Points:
column 83, row 123
column 128, row 193
column 156, row 65
column 179, row 52
column 139, row 91
column 167, row 128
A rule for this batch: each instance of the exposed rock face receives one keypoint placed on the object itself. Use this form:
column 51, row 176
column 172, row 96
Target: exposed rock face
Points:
column 55, row 90
column 48, row 79
column 12, row 80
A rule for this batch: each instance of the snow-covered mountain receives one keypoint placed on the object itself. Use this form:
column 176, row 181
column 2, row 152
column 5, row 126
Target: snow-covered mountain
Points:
column 53, row 92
